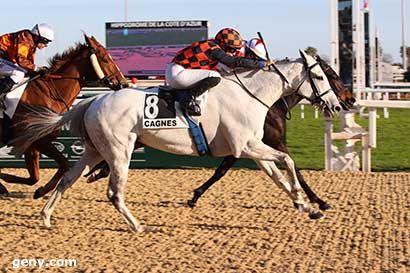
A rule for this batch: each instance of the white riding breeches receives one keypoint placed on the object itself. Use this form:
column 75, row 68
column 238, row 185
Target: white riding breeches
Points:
column 11, row 70
column 179, row 77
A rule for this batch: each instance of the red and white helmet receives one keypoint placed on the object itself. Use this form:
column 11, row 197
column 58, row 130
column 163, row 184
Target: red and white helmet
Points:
column 44, row 31
column 257, row 47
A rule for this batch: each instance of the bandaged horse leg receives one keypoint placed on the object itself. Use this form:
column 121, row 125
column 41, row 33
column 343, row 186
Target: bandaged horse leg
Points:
column 89, row 159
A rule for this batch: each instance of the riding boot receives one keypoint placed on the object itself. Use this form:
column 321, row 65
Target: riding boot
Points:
column 5, row 86
column 190, row 105
column 7, row 130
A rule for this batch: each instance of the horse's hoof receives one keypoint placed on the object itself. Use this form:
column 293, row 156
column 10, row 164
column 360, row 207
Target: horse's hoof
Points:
column 38, row 193
column 137, row 229
column 91, row 179
column 46, row 219
column 191, row 203
column 316, row 215
column 324, row 206
column 3, row 190
column 300, row 207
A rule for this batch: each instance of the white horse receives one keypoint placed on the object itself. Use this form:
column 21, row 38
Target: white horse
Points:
column 232, row 119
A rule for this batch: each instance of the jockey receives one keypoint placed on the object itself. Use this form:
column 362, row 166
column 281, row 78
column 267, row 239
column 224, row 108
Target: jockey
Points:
column 17, row 53
column 253, row 49
column 195, row 67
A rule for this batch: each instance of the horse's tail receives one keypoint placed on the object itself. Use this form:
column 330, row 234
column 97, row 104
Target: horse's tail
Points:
column 41, row 121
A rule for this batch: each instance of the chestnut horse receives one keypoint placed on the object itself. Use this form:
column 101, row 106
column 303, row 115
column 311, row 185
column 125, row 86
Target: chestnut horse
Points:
column 69, row 72
column 274, row 135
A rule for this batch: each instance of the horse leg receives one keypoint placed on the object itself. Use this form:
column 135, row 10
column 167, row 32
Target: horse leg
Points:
column 257, row 150
column 104, row 172
column 226, row 164
column 32, row 160
column 310, row 193
column 115, row 193
column 104, row 168
column 312, row 196
column 119, row 163
column 3, row 190
column 48, row 148
column 89, row 159
column 275, row 174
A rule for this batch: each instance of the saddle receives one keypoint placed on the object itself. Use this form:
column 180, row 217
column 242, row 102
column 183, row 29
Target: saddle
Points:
column 166, row 106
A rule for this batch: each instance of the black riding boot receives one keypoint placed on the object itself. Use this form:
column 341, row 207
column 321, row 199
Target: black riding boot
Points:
column 7, row 129
column 190, row 105
column 5, row 86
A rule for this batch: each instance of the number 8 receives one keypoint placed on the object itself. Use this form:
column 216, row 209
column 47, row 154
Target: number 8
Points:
column 151, row 108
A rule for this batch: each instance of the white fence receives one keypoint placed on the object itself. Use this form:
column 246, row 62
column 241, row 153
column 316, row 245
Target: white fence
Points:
column 374, row 98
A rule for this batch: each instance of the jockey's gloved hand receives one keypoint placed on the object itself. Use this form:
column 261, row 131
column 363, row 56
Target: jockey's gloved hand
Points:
column 42, row 71
column 270, row 62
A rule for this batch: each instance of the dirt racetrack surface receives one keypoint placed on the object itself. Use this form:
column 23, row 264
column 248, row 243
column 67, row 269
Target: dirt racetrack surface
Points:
column 243, row 224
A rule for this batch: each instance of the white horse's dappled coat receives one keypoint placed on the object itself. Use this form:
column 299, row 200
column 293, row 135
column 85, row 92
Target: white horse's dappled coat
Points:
column 232, row 120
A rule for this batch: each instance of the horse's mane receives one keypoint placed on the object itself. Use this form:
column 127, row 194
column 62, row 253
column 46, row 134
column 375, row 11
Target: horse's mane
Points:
column 59, row 60
column 242, row 70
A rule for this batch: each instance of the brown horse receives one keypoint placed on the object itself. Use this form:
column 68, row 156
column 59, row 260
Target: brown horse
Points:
column 274, row 132
column 69, row 72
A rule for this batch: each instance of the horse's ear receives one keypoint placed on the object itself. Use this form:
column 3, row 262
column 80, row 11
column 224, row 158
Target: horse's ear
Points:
column 303, row 54
column 87, row 39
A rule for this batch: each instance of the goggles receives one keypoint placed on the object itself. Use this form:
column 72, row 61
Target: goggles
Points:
column 43, row 40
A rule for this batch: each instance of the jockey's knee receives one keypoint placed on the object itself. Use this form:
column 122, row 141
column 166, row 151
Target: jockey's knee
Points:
column 17, row 75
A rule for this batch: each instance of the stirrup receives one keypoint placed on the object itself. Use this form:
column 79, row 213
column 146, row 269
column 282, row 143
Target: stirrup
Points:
column 193, row 109
column 3, row 102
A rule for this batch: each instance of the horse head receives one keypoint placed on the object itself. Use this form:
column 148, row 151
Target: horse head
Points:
column 344, row 95
column 319, row 92
column 104, row 66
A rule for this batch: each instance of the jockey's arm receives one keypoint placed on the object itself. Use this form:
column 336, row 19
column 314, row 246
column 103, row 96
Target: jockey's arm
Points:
column 233, row 61
column 23, row 51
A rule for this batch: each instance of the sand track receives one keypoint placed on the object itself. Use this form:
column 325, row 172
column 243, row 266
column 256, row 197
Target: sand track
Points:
column 243, row 224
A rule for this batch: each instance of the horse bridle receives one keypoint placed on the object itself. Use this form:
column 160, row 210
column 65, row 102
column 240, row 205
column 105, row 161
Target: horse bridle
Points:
column 315, row 101
column 105, row 79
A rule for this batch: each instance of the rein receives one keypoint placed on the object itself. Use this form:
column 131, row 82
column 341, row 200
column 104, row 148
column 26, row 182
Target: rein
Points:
column 57, row 96
column 97, row 69
column 288, row 115
column 318, row 96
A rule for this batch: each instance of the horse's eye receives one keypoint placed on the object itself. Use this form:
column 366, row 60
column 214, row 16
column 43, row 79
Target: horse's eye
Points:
column 319, row 78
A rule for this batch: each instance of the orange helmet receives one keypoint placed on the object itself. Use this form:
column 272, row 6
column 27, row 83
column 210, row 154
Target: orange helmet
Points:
column 228, row 38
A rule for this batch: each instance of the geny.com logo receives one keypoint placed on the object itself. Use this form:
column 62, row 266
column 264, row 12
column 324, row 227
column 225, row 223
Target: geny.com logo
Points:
column 40, row 263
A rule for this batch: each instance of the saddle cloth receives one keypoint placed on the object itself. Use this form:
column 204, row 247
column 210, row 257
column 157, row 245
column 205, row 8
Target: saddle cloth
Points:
column 162, row 109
